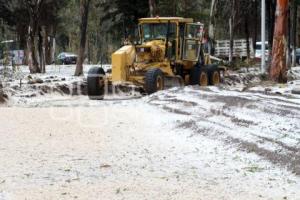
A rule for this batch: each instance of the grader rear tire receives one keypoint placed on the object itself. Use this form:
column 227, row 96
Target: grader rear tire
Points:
column 96, row 83
column 213, row 75
column 154, row 81
column 215, row 78
column 199, row 76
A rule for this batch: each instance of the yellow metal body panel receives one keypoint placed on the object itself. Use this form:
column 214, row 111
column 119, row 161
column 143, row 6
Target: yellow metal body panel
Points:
column 156, row 53
column 166, row 19
column 130, row 63
column 121, row 59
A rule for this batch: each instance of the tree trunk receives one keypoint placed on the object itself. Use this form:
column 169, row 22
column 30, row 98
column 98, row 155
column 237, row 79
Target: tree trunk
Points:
column 2, row 96
column 53, row 48
column 211, row 30
column 288, row 52
column 254, row 33
column 271, row 8
column 247, row 38
column 33, row 9
column 278, row 71
column 152, row 7
column 294, row 32
column 42, row 49
column 231, row 30
column 84, row 12
column 48, row 43
column 231, row 43
column 174, row 7
column 31, row 53
column 88, row 51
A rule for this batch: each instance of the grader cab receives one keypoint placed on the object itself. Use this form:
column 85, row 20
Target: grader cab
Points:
column 170, row 52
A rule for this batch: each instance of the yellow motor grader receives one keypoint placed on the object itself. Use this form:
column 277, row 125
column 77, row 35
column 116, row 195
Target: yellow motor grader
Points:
column 170, row 50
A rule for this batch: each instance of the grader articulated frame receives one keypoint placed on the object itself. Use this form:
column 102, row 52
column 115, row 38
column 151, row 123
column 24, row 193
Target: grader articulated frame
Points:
column 171, row 51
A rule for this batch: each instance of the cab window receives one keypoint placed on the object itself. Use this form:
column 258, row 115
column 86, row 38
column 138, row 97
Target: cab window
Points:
column 156, row 31
column 192, row 41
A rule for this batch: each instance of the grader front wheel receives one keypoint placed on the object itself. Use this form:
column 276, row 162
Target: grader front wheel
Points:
column 154, row 81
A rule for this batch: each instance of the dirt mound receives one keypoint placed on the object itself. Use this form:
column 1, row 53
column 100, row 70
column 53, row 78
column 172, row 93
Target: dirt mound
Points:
column 7, row 72
column 3, row 96
column 294, row 74
column 2, row 99
column 233, row 79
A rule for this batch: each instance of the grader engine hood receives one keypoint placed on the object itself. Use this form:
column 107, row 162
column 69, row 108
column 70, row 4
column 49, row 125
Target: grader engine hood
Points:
column 153, row 51
column 121, row 59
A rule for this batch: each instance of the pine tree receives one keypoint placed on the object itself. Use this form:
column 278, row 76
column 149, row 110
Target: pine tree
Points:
column 84, row 13
column 278, row 71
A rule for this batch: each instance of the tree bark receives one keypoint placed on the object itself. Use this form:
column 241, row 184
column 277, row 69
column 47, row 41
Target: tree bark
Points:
column 294, row 32
column 254, row 33
column 34, row 9
column 231, row 30
column 48, row 43
column 278, row 71
column 152, row 8
column 288, row 52
column 231, row 42
column 211, row 30
column 84, row 12
column 31, row 53
column 271, row 8
column 174, row 7
column 247, row 34
column 2, row 98
column 42, row 49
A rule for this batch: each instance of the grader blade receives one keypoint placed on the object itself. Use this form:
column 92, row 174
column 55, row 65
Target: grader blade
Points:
column 175, row 81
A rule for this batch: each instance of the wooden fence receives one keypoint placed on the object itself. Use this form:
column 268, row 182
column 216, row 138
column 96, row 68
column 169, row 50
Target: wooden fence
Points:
column 239, row 48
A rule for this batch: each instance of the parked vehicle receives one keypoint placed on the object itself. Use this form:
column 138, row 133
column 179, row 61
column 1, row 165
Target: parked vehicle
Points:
column 66, row 58
column 258, row 51
column 298, row 56
column 163, row 58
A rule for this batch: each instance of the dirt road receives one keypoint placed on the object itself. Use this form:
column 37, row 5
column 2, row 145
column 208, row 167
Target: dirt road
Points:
column 267, row 125
column 149, row 148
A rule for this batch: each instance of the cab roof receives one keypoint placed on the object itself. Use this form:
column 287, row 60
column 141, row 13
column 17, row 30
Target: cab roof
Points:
column 165, row 20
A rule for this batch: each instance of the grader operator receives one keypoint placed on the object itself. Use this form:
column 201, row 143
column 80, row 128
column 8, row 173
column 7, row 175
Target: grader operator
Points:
column 170, row 50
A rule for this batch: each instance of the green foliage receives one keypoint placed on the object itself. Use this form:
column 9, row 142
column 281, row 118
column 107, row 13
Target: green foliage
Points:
column 67, row 33
column 111, row 20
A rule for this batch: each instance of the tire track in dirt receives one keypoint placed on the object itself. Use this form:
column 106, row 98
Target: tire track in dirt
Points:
column 252, row 122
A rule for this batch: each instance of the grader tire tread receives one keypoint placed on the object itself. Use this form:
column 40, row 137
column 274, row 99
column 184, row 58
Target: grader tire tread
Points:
column 210, row 71
column 95, row 90
column 151, row 80
column 195, row 75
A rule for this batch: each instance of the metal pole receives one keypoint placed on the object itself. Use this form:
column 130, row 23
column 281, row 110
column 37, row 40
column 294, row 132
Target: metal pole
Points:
column 263, row 36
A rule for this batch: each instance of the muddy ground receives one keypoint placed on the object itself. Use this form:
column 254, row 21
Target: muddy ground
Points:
column 267, row 125
column 240, row 140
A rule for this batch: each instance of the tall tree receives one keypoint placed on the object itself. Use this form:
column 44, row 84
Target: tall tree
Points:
column 33, row 21
column 278, row 70
column 34, row 11
column 84, row 13
column 231, row 28
column 2, row 99
column 271, row 9
column 212, row 19
column 294, row 31
column 152, row 8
